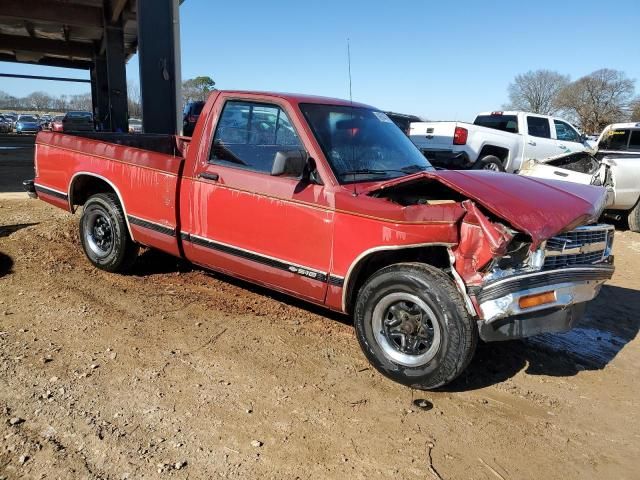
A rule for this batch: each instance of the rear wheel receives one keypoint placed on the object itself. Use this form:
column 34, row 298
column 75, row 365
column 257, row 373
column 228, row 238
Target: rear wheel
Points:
column 413, row 327
column 104, row 236
column 489, row 162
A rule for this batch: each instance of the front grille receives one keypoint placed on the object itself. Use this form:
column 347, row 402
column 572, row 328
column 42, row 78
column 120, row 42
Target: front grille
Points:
column 583, row 246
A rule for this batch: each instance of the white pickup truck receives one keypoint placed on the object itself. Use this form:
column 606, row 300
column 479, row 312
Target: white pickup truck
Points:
column 615, row 165
column 496, row 140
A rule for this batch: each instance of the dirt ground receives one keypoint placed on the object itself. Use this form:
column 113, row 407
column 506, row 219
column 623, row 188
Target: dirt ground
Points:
column 173, row 372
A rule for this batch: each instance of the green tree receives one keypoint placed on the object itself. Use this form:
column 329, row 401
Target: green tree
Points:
column 197, row 88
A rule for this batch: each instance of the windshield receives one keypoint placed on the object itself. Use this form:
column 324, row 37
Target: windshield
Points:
column 83, row 115
column 362, row 144
column 505, row 123
column 27, row 118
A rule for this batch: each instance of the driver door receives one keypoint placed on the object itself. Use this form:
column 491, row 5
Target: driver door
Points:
column 271, row 230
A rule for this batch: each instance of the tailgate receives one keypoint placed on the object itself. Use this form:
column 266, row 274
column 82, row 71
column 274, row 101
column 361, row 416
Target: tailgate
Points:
column 432, row 135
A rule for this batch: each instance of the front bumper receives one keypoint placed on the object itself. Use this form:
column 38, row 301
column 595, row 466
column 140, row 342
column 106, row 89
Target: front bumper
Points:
column 500, row 302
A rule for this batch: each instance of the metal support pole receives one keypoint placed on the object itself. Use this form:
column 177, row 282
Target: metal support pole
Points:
column 159, row 61
column 117, row 77
column 101, row 106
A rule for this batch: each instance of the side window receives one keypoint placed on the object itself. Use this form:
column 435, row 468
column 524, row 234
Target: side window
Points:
column 634, row 142
column 249, row 135
column 565, row 132
column 615, row 140
column 538, row 127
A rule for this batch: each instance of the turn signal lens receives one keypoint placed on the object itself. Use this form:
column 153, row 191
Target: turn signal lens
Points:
column 529, row 301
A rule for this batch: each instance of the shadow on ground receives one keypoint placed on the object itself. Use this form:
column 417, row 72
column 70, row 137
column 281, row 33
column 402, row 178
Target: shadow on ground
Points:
column 6, row 263
column 610, row 323
column 7, row 230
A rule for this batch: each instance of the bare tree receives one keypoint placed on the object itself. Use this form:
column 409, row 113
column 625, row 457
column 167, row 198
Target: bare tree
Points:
column 536, row 91
column 635, row 111
column 134, row 101
column 38, row 101
column 81, row 102
column 598, row 99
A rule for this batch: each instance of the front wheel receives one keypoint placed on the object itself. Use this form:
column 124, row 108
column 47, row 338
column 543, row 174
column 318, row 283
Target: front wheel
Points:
column 413, row 327
column 104, row 235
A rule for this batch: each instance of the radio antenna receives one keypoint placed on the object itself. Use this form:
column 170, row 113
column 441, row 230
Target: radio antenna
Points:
column 353, row 147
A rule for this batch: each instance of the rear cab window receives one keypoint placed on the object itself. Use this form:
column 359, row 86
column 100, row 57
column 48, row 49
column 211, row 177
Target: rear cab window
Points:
column 634, row 141
column 504, row 123
column 249, row 135
column 615, row 139
column 538, row 127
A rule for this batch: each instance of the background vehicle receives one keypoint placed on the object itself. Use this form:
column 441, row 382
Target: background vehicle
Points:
column 620, row 174
column 330, row 202
column 77, row 122
column 56, row 123
column 11, row 118
column 620, row 139
column 190, row 116
column 403, row 121
column 5, row 125
column 135, row 125
column 495, row 140
column 27, row 124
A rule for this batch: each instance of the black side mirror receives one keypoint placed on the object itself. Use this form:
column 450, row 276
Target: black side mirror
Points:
column 290, row 163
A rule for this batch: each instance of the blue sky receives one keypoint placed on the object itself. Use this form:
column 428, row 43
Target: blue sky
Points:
column 442, row 60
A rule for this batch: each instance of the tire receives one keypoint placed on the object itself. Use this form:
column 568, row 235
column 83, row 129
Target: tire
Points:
column 427, row 291
column 489, row 162
column 104, row 235
column 634, row 218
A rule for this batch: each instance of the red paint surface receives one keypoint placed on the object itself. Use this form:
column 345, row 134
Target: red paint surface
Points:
column 322, row 227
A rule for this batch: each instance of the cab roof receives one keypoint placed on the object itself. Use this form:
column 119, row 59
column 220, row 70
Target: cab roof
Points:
column 300, row 98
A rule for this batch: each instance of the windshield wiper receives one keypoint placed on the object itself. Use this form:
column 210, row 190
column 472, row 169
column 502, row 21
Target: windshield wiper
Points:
column 368, row 171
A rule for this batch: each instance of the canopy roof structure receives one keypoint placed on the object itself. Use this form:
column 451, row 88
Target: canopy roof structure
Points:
column 63, row 33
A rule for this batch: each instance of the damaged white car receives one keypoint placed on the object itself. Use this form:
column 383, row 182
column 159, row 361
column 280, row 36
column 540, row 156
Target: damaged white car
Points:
column 620, row 174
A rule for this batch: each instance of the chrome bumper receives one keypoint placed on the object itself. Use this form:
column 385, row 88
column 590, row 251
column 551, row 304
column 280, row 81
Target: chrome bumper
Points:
column 503, row 314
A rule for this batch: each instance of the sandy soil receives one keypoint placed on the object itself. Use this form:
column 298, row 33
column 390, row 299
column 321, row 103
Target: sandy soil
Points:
column 173, row 372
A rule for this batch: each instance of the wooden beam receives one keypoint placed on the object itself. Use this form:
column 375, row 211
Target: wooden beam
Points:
column 50, row 62
column 44, row 46
column 53, row 12
column 117, row 6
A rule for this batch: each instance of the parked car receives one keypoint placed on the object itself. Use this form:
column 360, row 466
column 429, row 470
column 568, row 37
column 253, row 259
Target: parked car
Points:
column 330, row 202
column 5, row 125
column 27, row 124
column 619, row 173
column 135, row 125
column 190, row 116
column 45, row 122
column 403, row 120
column 496, row 140
column 77, row 122
column 56, row 123
column 11, row 118
column 620, row 139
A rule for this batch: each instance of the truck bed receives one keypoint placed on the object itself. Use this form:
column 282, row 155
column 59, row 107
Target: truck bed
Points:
column 144, row 170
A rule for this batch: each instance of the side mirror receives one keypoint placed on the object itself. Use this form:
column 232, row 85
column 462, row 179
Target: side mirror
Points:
column 290, row 163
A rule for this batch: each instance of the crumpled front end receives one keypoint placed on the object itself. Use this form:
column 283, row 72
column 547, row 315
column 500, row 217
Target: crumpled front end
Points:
column 526, row 292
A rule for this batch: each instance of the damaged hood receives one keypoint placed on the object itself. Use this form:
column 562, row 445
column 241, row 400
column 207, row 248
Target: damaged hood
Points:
column 539, row 208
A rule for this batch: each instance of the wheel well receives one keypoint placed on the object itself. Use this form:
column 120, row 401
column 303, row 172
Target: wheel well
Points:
column 501, row 153
column 436, row 256
column 84, row 186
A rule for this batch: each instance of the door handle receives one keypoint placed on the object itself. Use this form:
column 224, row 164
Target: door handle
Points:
column 532, row 143
column 564, row 147
column 209, row 176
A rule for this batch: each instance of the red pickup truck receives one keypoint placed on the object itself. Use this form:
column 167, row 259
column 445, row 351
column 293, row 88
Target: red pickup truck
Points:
column 329, row 201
